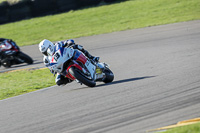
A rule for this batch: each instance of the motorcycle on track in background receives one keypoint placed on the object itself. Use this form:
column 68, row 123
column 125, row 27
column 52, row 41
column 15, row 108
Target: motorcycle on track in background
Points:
column 74, row 65
column 10, row 54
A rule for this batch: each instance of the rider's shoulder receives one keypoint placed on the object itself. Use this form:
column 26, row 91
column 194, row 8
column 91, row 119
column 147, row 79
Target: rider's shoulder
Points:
column 60, row 44
column 70, row 41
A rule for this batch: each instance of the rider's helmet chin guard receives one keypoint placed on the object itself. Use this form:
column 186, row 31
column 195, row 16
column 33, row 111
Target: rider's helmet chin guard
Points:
column 46, row 47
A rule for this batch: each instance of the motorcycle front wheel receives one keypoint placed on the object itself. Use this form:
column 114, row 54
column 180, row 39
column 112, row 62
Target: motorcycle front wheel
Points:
column 27, row 59
column 109, row 76
column 80, row 76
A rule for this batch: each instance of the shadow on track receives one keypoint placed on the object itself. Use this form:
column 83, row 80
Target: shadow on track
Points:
column 19, row 66
column 117, row 82
column 24, row 64
column 125, row 80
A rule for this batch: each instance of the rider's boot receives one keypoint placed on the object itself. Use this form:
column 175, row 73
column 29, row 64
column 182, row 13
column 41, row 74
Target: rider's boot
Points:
column 61, row 80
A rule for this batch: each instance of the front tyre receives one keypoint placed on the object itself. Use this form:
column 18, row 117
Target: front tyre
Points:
column 109, row 76
column 78, row 75
column 27, row 59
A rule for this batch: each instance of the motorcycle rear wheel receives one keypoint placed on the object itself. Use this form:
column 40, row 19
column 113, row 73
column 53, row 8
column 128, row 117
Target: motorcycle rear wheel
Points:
column 6, row 63
column 77, row 74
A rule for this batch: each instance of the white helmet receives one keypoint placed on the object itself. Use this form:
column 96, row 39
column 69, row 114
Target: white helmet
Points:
column 46, row 47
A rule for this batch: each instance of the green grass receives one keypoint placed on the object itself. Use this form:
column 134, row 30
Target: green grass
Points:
column 2, row 0
column 194, row 128
column 10, row 1
column 20, row 82
column 103, row 19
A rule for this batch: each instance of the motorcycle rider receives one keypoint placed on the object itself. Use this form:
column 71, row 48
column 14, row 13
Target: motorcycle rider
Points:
column 47, row 48
column 7, row 48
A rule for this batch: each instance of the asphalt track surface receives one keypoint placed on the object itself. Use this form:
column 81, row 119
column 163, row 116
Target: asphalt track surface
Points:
column 157, row 83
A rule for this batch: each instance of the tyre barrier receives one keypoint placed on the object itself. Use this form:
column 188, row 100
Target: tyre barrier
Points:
column 32, row 8
column 66, row 5
column 20, row 10
column 43, row 7
column 109, row 1
column 83, row 3
column 4, row 12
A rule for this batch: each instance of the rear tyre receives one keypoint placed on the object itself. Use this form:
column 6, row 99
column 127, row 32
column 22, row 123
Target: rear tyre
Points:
column 77, row 74
column 27, row 59
column 109, row 76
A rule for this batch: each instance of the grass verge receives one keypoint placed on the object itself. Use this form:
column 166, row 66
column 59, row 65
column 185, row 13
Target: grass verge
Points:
column 194, row 128
column 103, row 19
column 20, row 82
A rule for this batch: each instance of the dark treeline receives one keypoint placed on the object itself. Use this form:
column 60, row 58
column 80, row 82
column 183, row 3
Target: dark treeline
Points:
column 25, row 9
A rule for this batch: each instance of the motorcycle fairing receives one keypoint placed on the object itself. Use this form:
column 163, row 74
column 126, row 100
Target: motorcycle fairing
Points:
column 78, row 56
column 6, row 46
column 60, row 56
column 68, row 75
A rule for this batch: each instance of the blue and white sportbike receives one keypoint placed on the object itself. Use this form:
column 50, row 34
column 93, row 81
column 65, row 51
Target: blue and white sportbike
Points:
column 73, row 64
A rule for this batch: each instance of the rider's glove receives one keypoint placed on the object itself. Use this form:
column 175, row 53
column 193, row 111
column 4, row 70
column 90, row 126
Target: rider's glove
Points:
column 46, row 61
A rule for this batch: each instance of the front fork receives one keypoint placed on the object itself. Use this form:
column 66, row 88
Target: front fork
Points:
column 100, row 75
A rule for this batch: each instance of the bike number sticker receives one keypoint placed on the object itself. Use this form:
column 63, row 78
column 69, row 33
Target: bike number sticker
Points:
column 56, row 56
